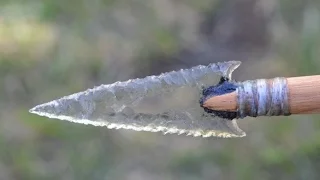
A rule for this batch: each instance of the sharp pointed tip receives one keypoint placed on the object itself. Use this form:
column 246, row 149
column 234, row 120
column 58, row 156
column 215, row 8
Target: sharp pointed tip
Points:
column 46, row 108
column 32, row 110
column 53, row 109
column 35, row 110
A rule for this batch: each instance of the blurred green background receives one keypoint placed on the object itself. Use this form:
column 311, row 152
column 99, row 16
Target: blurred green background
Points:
column 54, row 48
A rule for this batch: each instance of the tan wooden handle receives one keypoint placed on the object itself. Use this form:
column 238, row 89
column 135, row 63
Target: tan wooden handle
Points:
column 304, row 94
column 303, row 97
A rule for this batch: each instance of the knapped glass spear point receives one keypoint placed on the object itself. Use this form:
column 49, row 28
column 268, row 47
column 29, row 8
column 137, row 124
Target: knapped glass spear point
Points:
column 169, row 103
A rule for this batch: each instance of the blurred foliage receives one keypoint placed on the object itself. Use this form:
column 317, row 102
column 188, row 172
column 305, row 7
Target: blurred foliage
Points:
column 54, row 48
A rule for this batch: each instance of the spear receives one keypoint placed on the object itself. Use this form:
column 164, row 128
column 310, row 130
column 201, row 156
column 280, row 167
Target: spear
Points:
column 200, row 101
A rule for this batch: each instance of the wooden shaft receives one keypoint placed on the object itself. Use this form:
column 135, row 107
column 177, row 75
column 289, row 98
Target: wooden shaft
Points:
column 303, row 95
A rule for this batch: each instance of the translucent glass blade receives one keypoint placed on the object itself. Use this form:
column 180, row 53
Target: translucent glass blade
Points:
column 168, row 103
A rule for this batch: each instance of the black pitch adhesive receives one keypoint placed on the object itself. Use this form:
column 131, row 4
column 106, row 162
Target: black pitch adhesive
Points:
column 223, row 87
